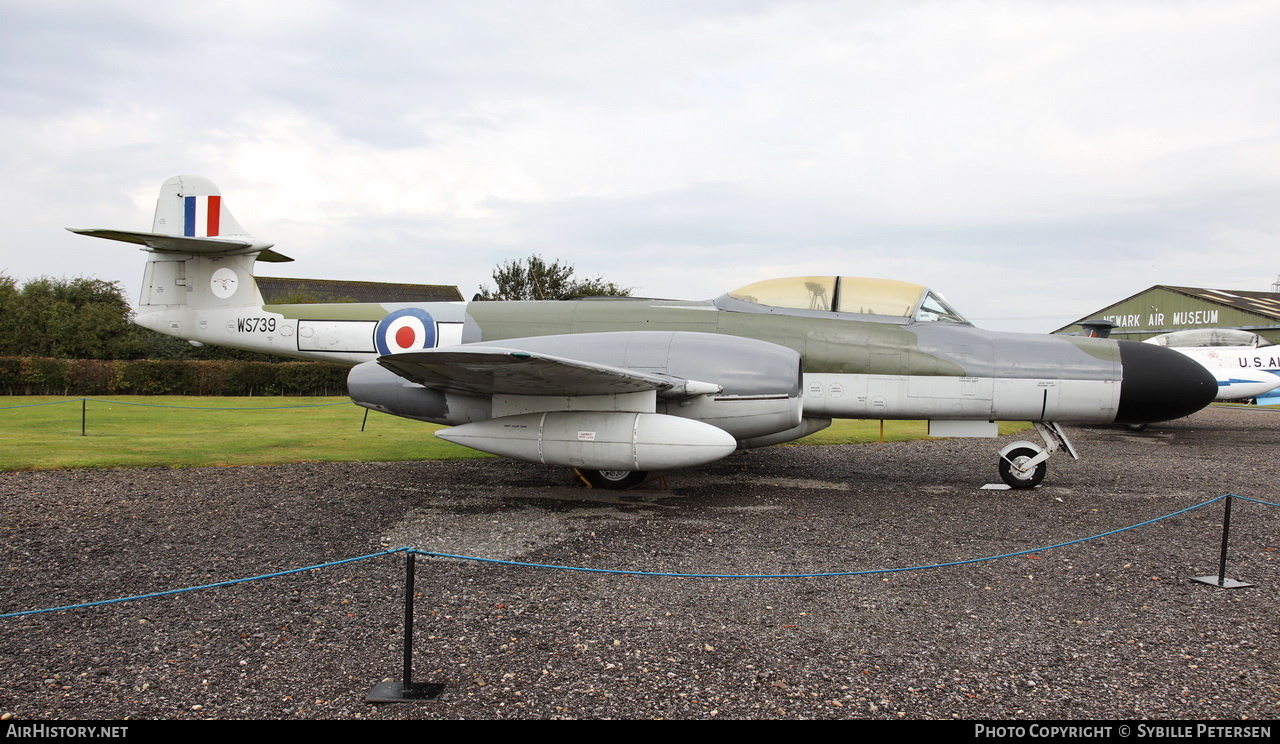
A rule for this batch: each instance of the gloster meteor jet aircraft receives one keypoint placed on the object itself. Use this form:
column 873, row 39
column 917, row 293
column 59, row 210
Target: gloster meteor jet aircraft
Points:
column 616, row 388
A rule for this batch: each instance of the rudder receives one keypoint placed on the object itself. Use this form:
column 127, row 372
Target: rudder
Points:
column 192, row 206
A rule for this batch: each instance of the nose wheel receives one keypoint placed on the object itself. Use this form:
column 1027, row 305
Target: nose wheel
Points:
column 1020, row 468
column 1024, row 464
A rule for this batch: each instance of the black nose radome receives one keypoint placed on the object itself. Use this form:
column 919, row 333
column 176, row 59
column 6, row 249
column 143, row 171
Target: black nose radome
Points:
column 1159, row 384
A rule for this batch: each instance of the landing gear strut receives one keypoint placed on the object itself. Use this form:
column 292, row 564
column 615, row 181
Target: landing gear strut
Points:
column 1024, row 464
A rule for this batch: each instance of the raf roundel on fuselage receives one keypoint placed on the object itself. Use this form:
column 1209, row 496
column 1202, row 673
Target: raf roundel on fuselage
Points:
column 851, row 294
column 409, row 329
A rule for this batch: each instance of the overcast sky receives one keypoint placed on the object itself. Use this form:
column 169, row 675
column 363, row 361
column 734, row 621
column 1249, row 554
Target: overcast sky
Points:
column 1032, row 161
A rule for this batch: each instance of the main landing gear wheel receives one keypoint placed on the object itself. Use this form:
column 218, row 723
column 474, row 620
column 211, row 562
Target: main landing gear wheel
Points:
column 1136, row 427
column 1016, row 478
column 615, row 480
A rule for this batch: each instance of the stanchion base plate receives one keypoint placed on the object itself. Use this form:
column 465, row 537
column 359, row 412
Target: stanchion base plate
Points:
column 1226, row 583
column 396, row 692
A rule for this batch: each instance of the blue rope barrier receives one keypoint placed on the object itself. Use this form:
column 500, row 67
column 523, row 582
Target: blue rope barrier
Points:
column 621, row 572
column 193, row 408
column 47, row 403
column 229, row 582
column 219, row 408
column 819, row 575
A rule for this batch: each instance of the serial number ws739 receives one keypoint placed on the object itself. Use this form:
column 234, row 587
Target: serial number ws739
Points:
column 255, row 325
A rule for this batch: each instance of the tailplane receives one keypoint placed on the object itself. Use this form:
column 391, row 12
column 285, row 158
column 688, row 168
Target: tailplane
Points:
column 200, row 256
column 192, row 219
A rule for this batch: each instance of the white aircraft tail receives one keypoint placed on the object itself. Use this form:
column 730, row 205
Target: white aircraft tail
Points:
column 200, row 256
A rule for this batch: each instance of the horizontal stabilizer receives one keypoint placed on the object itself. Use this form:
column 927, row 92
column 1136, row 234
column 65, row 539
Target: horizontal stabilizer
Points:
column 489, row 370
column 161, row 243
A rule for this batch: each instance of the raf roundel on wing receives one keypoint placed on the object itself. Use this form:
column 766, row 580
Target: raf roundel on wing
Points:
column 409, row 329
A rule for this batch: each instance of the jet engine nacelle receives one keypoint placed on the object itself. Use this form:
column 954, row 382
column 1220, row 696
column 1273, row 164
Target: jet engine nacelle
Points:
column 761, row 382
column 743, row 416
column 380, row 389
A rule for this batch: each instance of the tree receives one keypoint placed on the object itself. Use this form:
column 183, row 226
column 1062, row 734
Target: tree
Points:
column 535, row 279
column 68, row 318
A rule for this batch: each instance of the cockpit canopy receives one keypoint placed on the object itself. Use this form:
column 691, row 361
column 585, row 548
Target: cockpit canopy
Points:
column 851, row 294
column 1210, row 337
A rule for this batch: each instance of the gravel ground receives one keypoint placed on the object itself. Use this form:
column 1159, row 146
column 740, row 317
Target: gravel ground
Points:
column 1110, row 628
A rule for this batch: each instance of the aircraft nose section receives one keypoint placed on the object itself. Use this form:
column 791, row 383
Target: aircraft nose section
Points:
column 1159, row 384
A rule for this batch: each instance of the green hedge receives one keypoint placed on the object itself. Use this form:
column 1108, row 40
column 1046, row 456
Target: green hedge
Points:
column 44, row 376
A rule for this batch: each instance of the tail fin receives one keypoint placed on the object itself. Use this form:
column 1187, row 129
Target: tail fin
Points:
column 200, row 255
column 191, row 206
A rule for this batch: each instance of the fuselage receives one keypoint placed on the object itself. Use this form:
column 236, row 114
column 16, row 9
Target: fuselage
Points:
column 854, row 365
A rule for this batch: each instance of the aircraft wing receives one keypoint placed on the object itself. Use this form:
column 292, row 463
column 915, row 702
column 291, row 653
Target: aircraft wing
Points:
column 161, row 243
column 491, row 370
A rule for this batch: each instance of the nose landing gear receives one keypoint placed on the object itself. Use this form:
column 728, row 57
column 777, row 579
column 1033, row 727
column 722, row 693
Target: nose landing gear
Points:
column 1024, row 464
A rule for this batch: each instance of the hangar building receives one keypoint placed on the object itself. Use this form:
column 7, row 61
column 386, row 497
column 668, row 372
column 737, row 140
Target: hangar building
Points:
column 1165, row 308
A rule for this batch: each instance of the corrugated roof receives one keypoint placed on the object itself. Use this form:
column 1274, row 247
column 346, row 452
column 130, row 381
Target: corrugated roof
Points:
column 1263, row 304
column 1260, row 303
column 279, row 289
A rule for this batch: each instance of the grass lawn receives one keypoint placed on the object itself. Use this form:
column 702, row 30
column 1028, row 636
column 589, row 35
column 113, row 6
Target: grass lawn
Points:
column 42, row 432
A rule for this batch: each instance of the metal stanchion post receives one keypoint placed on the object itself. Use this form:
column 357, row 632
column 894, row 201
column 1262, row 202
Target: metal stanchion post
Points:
column 1221, row 581
column 406, row 690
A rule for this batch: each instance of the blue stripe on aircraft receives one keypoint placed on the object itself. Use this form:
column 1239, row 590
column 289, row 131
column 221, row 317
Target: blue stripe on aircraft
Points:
column 189, row 216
